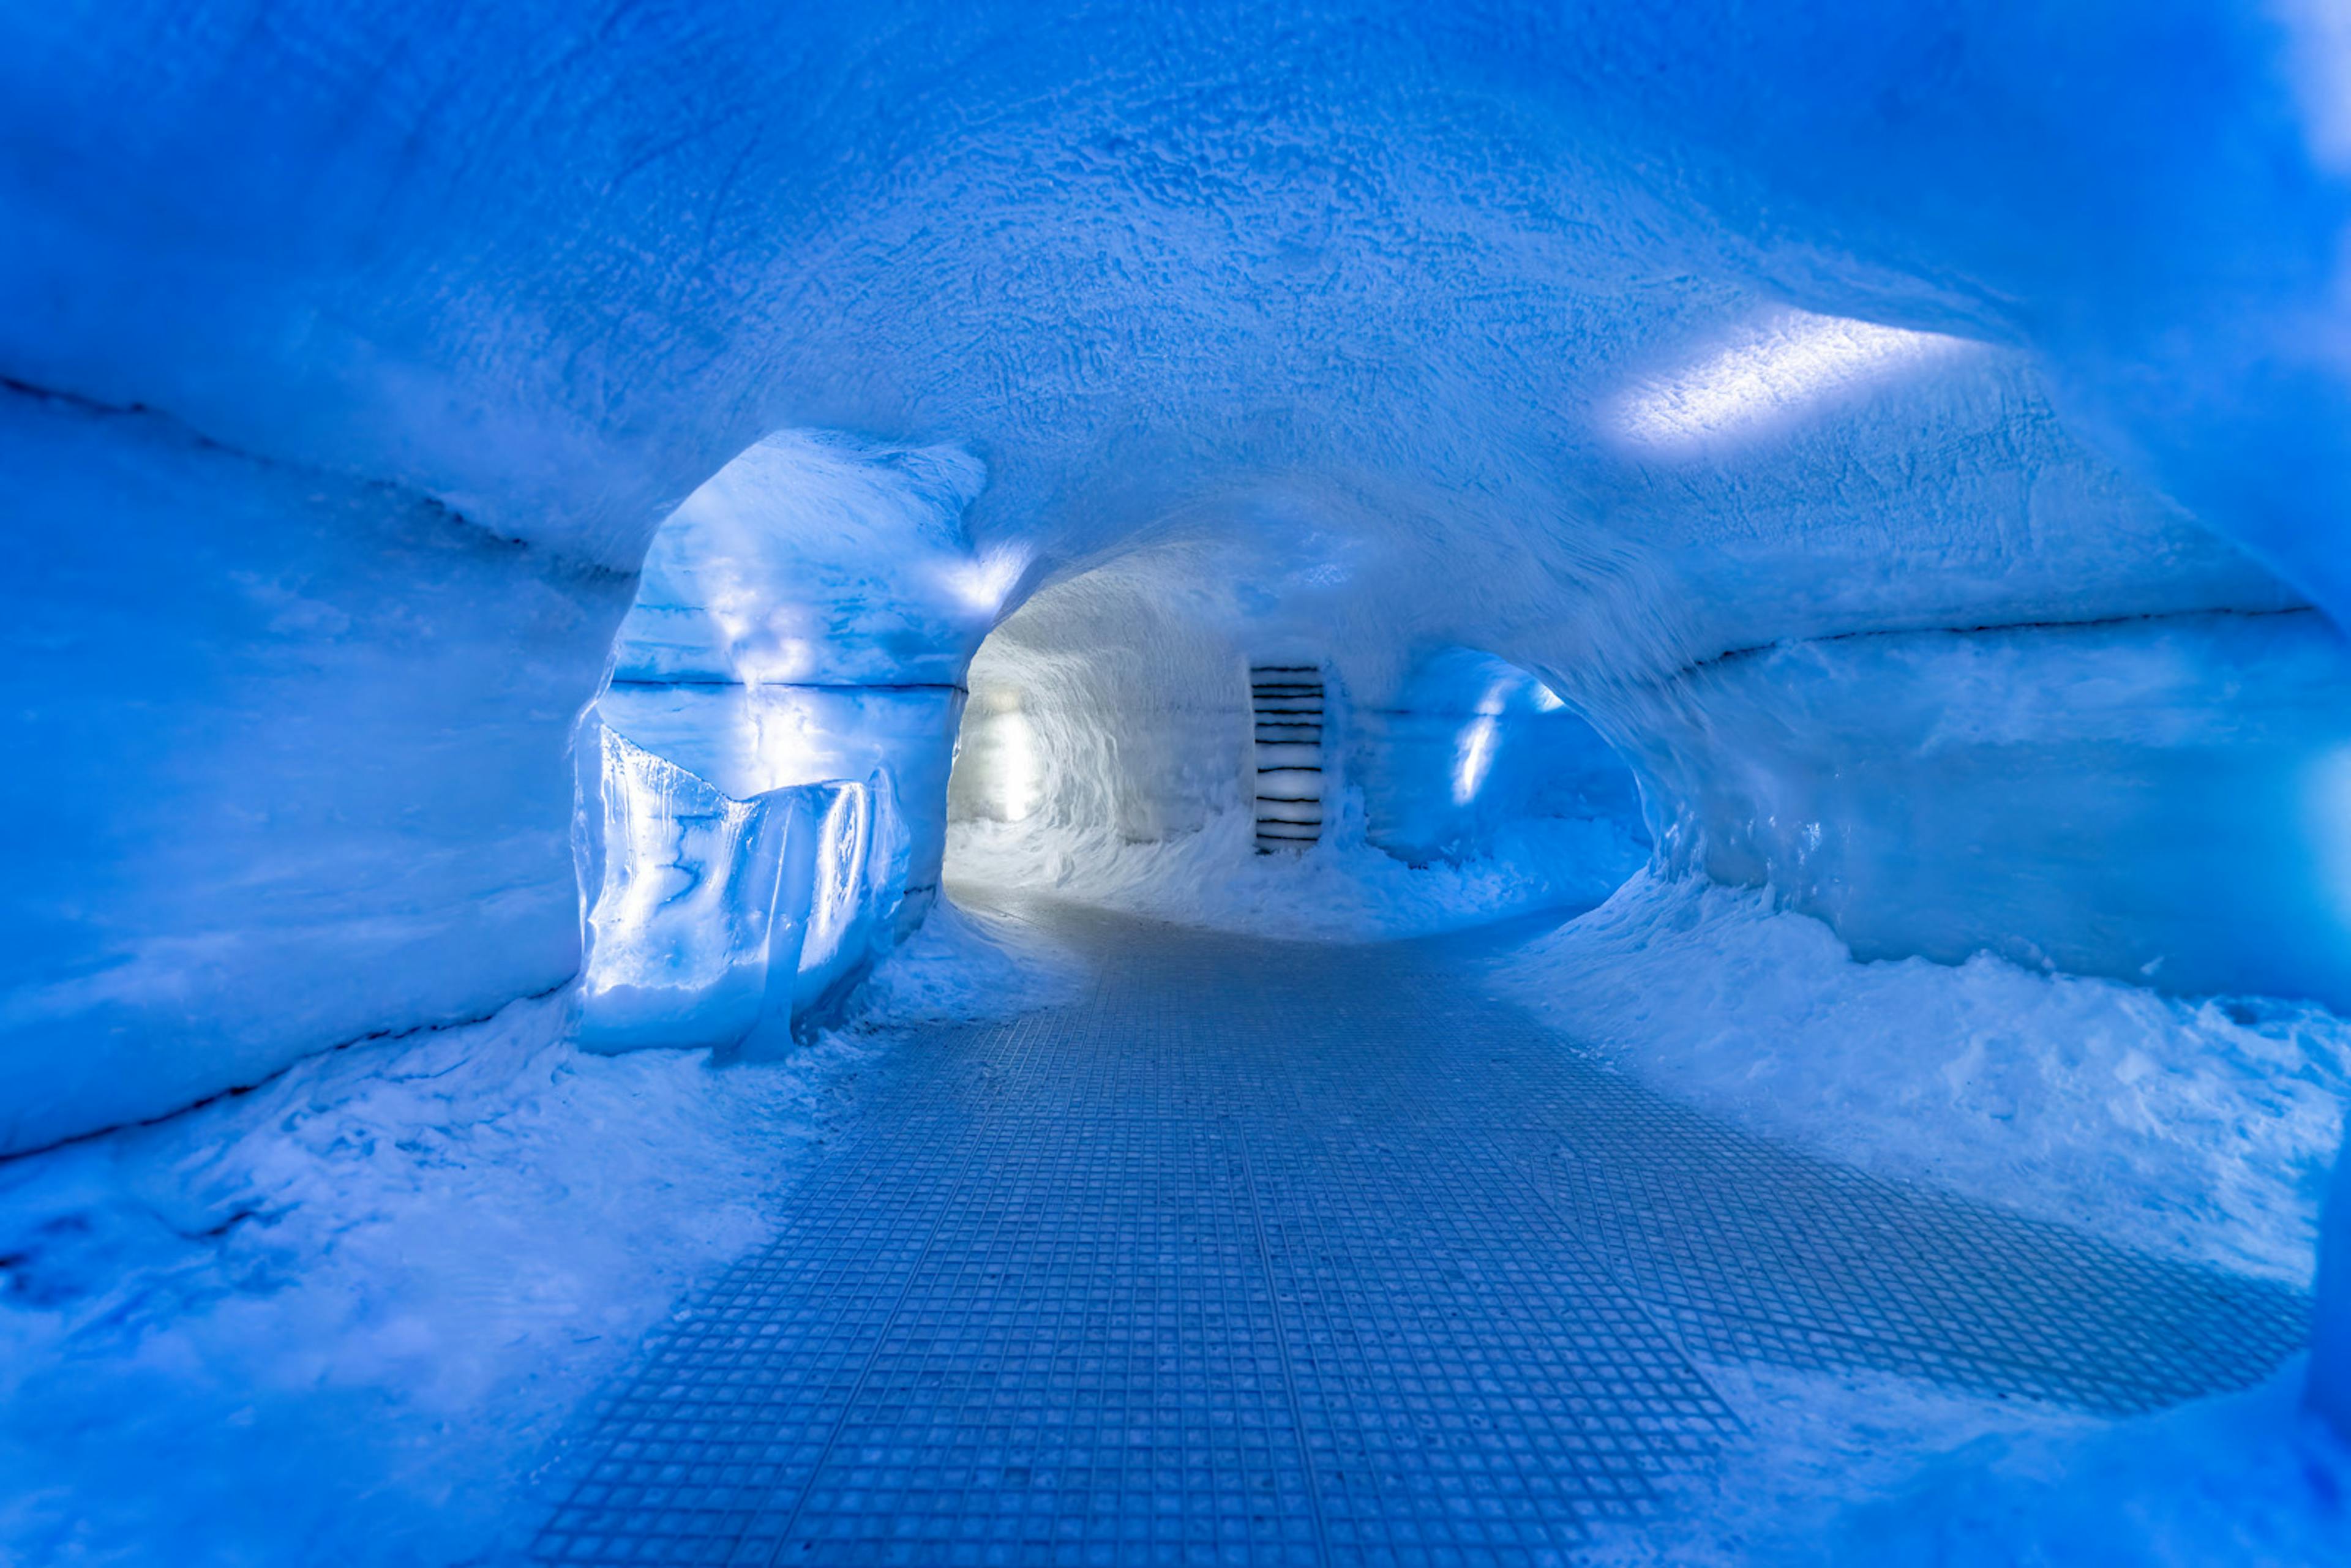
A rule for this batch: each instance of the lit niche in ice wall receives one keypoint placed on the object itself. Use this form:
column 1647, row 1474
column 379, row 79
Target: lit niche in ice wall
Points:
column 762, row 783
column 1476, row 754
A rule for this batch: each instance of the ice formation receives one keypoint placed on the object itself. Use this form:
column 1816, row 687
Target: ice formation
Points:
column 762, row 783
column 509, row 493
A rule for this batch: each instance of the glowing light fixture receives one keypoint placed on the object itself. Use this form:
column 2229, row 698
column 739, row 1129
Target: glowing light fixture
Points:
column 1782, row 362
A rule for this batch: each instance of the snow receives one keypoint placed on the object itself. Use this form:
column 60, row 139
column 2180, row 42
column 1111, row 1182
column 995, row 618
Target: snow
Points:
column 345, row 1317
column 2202, row 1129
column 1865, row 1470
column 2250, row 1477
column 1342, row 889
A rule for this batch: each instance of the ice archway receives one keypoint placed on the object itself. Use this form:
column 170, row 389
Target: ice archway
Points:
column 1914, row 438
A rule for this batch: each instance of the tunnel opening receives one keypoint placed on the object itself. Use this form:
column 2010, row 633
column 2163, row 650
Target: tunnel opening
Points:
column 1131, row 739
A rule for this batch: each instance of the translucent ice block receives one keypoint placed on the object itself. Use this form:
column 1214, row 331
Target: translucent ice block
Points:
column 679, row 881
column 857, row 879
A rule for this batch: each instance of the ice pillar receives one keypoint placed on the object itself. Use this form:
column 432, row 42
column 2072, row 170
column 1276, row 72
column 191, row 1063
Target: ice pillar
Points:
column 763, row 787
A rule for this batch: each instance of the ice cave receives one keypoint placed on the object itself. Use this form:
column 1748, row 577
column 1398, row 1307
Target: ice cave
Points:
column 1404, row 785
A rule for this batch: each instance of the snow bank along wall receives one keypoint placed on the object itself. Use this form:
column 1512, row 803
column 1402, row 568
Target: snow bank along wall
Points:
column 1914, row 439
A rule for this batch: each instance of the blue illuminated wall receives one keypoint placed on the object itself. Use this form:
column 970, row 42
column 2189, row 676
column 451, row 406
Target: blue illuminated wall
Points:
column 1474, row 746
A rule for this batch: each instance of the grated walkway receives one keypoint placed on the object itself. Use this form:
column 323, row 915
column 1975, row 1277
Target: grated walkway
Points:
column 1302, row 1254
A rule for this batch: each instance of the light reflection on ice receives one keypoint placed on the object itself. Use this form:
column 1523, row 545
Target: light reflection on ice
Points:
column 1477, row 755
column 1781, row 364
column 985, row 579
column 717, row 921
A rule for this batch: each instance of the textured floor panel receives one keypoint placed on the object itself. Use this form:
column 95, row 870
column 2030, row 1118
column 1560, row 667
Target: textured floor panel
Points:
column 1300, row 1254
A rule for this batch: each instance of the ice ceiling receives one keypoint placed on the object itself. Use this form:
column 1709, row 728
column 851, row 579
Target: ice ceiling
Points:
column 1914, row 436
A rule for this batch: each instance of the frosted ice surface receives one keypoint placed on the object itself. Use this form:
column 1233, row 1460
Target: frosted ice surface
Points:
column 855, row 886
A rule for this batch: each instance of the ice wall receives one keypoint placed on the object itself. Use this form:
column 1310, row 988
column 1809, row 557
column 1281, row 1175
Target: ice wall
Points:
column 736, row 926
column 289, row 765
column 2161, row 799
column 694, row 904
column 807, row 615
column 1473, row 747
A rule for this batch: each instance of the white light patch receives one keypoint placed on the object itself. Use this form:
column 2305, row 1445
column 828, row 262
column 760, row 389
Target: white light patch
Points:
column 1019, row 772
column 2320, row 63
column 1474, row 758
column 985, row 580
column 1785, row 362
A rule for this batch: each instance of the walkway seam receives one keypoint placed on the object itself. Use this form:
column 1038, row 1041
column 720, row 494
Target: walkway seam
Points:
column 1281, row 1347
column 881, row 1340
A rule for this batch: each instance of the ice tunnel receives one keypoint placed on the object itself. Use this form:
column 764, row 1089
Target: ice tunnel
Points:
column 1140, row 784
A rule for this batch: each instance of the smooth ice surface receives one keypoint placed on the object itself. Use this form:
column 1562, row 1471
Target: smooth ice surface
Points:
column 713, row 921
column 691, row 937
